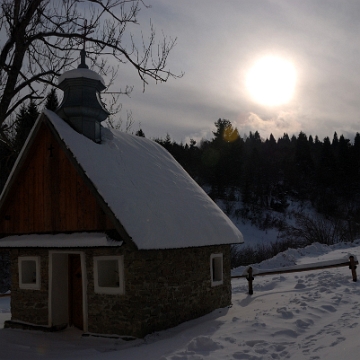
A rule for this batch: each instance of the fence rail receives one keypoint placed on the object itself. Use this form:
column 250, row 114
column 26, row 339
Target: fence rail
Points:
column 251, row 273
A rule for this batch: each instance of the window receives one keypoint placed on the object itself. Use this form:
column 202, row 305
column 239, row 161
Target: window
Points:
column 109, row 274
column 216, row 269
column 29, row 272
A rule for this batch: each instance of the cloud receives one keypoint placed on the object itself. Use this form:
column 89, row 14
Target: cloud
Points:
column 216, row 46
column 276, row 124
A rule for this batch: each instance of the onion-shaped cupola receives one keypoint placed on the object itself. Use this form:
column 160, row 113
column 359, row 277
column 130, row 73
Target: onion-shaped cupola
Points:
column 81, row 106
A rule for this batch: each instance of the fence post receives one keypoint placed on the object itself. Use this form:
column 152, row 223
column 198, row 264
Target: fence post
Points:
column 353, row 267
column 250, row 279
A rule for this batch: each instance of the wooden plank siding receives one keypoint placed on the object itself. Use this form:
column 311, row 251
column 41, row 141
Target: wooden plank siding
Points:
column 49, row 195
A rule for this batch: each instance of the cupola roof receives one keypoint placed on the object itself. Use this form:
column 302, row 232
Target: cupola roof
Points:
column 82, row 107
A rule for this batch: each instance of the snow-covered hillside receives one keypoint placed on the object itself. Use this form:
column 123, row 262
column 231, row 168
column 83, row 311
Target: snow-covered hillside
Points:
column 309, row 315
column 250, row 224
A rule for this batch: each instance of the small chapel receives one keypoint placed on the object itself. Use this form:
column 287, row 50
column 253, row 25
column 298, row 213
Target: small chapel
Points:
column 106, row 231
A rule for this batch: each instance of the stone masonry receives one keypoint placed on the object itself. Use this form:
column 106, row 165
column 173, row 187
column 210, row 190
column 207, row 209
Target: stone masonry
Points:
column 30, row 306
column 163, row 288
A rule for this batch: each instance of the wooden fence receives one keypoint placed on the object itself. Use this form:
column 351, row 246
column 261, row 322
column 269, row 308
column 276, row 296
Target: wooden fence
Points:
column 250, row 273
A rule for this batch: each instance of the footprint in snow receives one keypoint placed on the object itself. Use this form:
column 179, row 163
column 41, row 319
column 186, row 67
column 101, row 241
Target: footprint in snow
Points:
column 288, row 332
column 265, row 287
column 230, row 339
column 285, row 314
column 244, row 356
column 279, row 347
column 252, row 343
column 329, row 308
column 203, row 344
column 338, row 341
column 303, row 324
column 185, row 356
column 300, row 285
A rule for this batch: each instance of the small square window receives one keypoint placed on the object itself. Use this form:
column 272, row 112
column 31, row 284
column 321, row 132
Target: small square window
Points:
column 216, row 269
column 109, row 274
column 29, row 272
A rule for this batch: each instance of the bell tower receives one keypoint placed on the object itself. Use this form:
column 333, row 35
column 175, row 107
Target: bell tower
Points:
column 81, row 106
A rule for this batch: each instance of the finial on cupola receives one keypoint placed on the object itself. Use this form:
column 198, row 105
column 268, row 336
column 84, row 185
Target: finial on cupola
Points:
column 81, row 106
column 82, row 57
column 83, row 52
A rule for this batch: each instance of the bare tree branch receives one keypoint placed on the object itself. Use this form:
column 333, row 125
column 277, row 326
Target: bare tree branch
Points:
column 43, row 37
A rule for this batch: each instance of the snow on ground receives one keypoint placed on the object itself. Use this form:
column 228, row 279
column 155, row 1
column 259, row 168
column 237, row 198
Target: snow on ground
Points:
column 256, row 236
column 308, row 315
column 252, row 234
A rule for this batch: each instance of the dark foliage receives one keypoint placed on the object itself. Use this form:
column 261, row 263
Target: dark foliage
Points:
column 52, row 101
column 267, row 172
column 140, row 133
column 25, row 120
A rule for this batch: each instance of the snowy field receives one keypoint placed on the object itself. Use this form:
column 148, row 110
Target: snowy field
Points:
column 308, row 315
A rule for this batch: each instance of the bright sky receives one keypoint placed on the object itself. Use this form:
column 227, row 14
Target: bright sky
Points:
column 219, row 42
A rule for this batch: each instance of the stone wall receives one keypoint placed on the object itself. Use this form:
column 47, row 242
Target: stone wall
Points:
column 163, row 288
column 4, row 272
column 29, row 305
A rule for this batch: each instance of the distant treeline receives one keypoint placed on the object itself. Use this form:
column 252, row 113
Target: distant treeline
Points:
column 267, row 172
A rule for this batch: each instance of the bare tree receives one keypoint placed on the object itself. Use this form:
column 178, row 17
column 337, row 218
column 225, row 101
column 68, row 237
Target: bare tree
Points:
column 42, row 35
column 310, row 229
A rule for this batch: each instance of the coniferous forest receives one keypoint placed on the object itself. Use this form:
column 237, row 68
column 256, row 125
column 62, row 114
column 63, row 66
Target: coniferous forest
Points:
column 267, row 172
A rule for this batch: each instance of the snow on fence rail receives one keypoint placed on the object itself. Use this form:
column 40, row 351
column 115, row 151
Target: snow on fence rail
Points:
column 250, row 272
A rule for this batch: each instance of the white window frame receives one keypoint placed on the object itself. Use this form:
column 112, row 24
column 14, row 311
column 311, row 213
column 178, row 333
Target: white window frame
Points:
column 120, row 289
column 219, row 271
column 29, row 285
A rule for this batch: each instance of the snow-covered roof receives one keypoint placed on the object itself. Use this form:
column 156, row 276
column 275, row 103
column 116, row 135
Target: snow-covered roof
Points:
column 153, row 197
column 59, row 240
column 81, row 73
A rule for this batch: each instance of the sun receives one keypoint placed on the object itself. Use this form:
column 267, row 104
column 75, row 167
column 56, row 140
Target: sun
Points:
column 271, row 81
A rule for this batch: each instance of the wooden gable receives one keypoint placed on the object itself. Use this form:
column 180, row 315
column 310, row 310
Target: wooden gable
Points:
column 48, row 194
